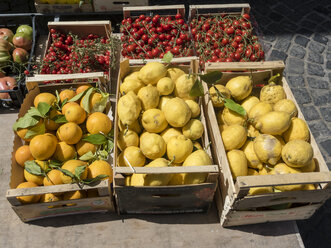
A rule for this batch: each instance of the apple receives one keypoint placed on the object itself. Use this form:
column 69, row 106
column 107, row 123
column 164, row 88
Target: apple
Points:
column 6, row 34
column 20, row 55
column 25, row 29
column 22, row 40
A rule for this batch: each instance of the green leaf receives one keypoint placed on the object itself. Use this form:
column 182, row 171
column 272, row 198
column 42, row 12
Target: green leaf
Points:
column 197, row 89
column 66, row 172
column 211, row 77
column 33, row 168
column 34, row 112
column 79, row 170
column 25, row 122
column 54, row 164
column 167, row 58
column 96, row 139
column 101, row 105
column 64, row 102
column 86, row 99
column 58, row 99
column 110, row 144
column 87, row 156
column 275, row 79
column 59, row 119
column 43, row 108
column 79, row 96
column 95, row 179
column 232, row 105
column 36, row 130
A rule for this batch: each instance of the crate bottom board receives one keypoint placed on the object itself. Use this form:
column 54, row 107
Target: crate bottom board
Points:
column 165, row 200
column 37, row 211
column 238, row 218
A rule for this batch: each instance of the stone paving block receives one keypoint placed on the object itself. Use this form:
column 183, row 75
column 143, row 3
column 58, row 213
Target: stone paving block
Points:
column 295, row 66
column 317, row 83
column 321, row 97
column 315, row 58
column 296, row 81
column 283, row 43
column 314, row 69
column 328, row 65
column 301, row 40
column 320, row 38
column 298, row 52
column 319, row 130
column 301, row 95
column 328, row 56
column 316, row 47
column 269, row 37
column 326, row 113
column 310, row 113
column 327, row 146
column 278, row 55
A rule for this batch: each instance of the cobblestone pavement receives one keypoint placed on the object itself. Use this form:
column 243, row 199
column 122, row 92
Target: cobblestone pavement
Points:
column 298, row 32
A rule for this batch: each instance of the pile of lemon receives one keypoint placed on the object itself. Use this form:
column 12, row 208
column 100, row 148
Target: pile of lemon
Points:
column 269, row 138
column 63, row 142
column 160, row 125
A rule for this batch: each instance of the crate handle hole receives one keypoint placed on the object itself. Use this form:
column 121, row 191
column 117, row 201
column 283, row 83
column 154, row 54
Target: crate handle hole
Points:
column 165, row 195
column 121, row 3
column 283, row 198
column 168, row 206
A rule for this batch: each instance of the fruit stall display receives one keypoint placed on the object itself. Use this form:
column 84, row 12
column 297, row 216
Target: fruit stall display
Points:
column 61, row 157
column 224, row 35
column 63, row 6
column 17, row 39
column 79, row 47
column 152, row 35
column 163, row 162
column 272, row 169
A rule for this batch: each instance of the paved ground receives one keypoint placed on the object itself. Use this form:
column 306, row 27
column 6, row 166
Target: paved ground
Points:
column 298, row 32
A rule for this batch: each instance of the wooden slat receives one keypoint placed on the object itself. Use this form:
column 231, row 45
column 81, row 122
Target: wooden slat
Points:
column 168, row 170
column 239, row 66
column 154, row 7
column 173, row 61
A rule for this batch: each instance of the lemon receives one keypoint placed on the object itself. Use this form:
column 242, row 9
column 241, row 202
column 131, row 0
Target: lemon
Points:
column 183, row 86
column 197, row 158
column 66, row 94
column 157, row 179
column 298, row 130
column 152, row 145
column 281, row 169
column 178, row 148
column 231, row 117
column 98, row 122
column 44, row 97
column 71, row 166
column 252, row 160
column 152, row 72
column 238, row 163
column 127, row 138
column 311, row 167
column 128, row 108
column 234, row 137
column 43, row 146
column 149, row 97
column 70, row 133
column 135, row 126
column 249, row 102
column 30, row 198
column 131, row 85
column 215, row 98
column 286, row 105
column 76, row 114
column 174, row 73
column 267, row 148
column 165, row 86
column 154, row 121
column 53, row 178
column 297, row 153
column 240, row 87
column 83, row 147
column 177, row 112
column 73, row 195
column 193, row 129
column 194, row 107
column 23, row 154
column 100, row 167
column 272, row 93
column 170, row 132
column 50, row 198
column 133, row 156
column 273, row 122
column 64, row 152
column 259, row 109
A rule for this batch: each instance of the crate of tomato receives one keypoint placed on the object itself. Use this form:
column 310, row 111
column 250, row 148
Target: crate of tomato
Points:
column 272, row 168
column 153, row 31
column 79, row 47
column 163, row 161
column 224, row 33
column 69, row 173
column 17, row 41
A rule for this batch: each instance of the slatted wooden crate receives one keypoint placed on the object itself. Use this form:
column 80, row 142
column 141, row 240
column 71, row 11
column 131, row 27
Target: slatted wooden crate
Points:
column 28, row 212
column 235, row 206
column 62, row 8
column 109, row 5
column 162, row 10
column 163, row 199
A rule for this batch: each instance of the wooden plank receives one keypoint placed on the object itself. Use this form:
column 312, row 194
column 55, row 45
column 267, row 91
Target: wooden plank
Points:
column 174, row 60
column 62, row 8
column 154, row 7
column 239, row 66
column 168, row 170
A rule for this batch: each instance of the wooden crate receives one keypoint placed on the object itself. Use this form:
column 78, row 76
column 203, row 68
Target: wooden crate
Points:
column 235, row 206
column 162, row 10
column 80, row 28
column 163, row 199
column 62, row 8
column 108, row 5
column 103, row 203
